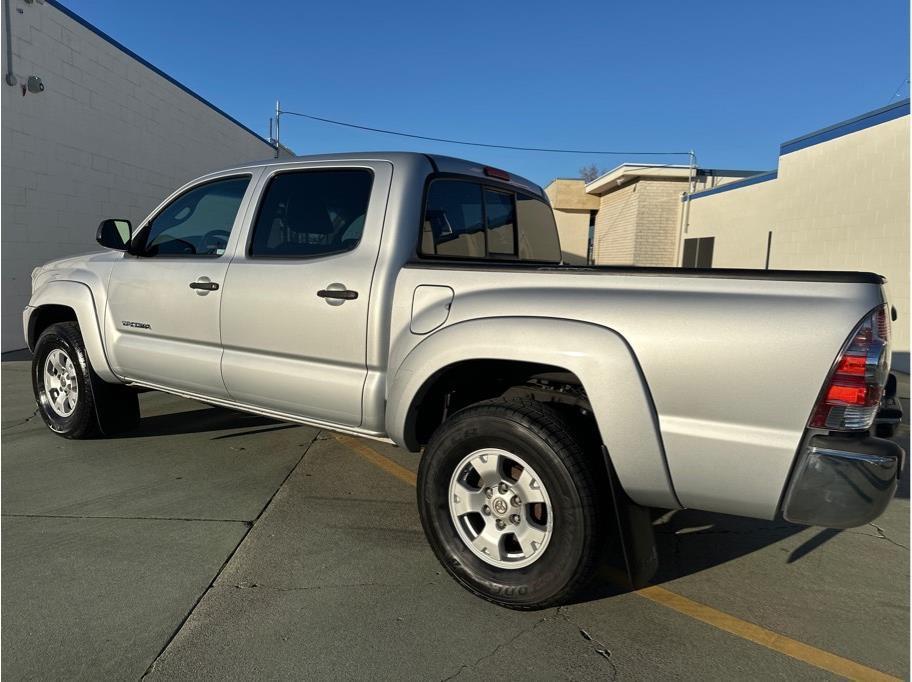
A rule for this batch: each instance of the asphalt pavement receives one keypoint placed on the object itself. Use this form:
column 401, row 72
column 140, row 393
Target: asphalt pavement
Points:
column 214, row 544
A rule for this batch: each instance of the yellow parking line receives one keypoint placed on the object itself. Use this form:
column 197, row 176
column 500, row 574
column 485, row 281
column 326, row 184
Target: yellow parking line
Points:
column 705, row 614
column 375, row 458
column 762, row 636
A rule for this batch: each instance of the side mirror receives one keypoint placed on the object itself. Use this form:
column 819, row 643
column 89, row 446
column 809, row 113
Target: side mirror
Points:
column 114, row 234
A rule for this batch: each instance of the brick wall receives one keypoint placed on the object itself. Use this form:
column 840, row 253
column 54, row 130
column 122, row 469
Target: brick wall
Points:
column 108, row 137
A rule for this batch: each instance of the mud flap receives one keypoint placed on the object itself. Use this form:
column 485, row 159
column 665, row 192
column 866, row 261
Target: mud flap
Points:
column 635, row 533
column 116, row 406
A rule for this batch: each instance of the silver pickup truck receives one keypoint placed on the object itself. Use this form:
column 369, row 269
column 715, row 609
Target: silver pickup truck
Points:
column 421, row 300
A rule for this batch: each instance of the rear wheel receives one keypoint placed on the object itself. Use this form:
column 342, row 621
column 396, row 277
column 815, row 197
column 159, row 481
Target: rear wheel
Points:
column 506, row 496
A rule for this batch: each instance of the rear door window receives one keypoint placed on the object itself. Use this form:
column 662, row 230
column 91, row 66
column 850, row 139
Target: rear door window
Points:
column 470, row 220
column 311, row 213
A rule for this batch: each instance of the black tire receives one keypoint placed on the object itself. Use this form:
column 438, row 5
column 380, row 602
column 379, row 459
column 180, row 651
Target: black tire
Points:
column 540, row 436
column 100, row 409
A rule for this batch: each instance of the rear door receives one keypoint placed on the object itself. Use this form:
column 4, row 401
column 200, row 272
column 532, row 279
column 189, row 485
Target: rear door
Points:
column 163, row 304
column 295, row 305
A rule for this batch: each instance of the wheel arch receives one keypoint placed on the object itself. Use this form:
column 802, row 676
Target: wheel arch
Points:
column 63, row 301
column 596, row 357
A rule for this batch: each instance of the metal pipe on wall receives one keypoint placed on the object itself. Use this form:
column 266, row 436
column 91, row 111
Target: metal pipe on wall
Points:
column 685, row 210
column 10, row 77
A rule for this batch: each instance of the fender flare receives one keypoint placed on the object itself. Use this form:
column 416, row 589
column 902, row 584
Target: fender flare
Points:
column 600, row 357
column 77, row 296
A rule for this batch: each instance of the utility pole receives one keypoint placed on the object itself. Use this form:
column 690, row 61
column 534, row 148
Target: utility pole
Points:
column 278, row 112
column 685, row 210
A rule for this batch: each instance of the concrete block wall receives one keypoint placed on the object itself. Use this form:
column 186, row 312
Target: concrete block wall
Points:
column 842, row 204
column 108, row 137
column 658, row 221
column 614, row 242
column 638, row 223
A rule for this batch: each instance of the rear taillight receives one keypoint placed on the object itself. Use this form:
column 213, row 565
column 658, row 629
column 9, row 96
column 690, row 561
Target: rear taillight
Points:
column 851, row 396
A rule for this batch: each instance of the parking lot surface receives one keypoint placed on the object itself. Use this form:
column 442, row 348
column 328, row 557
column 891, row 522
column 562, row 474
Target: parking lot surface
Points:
column 211, row 543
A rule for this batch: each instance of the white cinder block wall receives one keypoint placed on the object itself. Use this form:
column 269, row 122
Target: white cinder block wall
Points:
column 841, row 203
column 108, row 137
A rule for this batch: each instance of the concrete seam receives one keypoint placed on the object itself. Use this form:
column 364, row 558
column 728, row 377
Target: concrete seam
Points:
column 123, row 518
column 230, row 556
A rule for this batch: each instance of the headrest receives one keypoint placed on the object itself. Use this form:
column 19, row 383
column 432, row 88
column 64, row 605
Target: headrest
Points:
column 308, row 215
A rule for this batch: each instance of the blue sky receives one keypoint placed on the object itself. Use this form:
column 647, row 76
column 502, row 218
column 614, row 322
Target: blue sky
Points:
column 729, row 79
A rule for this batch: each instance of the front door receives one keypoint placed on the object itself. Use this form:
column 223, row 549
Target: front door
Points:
column 295, row 307
column 162, row 322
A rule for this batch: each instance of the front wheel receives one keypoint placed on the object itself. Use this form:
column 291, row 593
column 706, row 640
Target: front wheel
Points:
column 61, row 382
column 507, row 499
column 72, row 400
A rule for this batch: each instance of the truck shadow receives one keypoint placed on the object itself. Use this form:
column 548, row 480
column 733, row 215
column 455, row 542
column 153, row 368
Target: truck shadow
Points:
column 205, row 419
column 691, row 541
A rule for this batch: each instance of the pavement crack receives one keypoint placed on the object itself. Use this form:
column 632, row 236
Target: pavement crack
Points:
column 881, row 535
column 599, row 646
column 502, row 645
column 20, row 423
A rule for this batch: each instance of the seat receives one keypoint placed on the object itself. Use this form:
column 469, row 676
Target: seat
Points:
column 304, row 219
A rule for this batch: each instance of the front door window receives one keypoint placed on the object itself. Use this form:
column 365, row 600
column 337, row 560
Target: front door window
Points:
column 198, row 222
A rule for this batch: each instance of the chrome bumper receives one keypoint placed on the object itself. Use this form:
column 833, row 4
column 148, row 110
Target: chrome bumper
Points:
column 842, row 482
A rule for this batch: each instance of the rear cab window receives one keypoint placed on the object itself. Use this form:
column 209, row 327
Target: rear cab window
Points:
column 465, row 219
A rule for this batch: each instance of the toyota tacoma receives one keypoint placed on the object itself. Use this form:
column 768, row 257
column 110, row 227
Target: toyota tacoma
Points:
column 421, row 300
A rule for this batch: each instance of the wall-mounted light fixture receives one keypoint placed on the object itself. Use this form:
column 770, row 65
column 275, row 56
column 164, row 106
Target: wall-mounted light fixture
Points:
column 33, row 83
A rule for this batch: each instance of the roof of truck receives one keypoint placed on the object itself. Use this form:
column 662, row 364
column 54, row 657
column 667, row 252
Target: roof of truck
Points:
column 441, row 163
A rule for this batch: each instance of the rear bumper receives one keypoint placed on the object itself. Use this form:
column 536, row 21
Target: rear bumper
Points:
column 842, row 482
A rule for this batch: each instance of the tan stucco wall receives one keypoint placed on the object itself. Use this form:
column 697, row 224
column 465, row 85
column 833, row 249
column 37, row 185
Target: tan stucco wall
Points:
column 573, row 228
column 839, row 205
column 570, row 194
column 571, row 207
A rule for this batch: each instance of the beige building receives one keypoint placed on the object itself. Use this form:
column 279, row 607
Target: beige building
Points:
column 639, row 211
column 839, row 200
column 574, row 213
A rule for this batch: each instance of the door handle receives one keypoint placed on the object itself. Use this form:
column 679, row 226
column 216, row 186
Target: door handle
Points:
column 205, row 286
column 342, row 294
